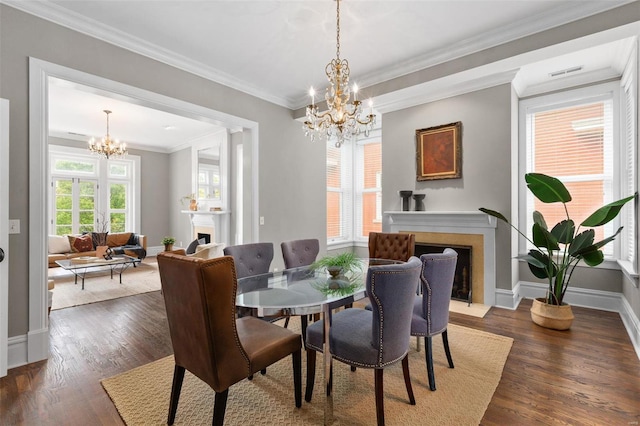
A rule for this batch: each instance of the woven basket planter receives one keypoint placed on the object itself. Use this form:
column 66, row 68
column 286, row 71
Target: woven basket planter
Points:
column 551, row 316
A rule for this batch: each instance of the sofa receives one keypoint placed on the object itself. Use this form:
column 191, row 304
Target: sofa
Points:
column 63, row 247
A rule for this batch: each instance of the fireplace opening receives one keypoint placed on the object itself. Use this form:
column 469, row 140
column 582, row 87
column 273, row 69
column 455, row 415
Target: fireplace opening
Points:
column 207, row 237
column 462, row 280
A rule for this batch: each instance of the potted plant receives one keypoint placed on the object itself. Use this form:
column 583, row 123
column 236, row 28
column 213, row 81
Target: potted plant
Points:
column 193, row 202
column 560, row 249
column 168, row 243
column 339, row 264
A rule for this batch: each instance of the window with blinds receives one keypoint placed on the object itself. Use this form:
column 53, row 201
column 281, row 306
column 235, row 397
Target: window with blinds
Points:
column 629, row 163
column 571, row 136
column 354, row 190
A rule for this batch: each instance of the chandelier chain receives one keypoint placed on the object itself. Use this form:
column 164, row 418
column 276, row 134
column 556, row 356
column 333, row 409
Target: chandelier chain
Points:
column 338, row 31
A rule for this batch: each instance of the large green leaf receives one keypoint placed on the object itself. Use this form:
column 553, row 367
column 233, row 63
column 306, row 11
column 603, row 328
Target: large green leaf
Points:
column 494, row 214
column 606, row 214
column 544, row 238
column 540, row 264
column 563, row 231
column 547, row 188
column 593, row 258
column 581, row 241
column 539, row 219
column 607, row 240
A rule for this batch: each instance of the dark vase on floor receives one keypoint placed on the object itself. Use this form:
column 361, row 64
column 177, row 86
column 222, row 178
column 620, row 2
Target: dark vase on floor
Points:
column 406, row 199
column 419, row 202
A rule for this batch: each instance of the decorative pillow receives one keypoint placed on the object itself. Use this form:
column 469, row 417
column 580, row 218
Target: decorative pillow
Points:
column 209, row 250
column 191, row 248
column 59, row 244
column 118, row 239
column 80, row 243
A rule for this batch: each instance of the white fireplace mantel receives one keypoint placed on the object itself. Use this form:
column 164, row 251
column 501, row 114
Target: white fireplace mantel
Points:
column 218, row 221
column 458, row 222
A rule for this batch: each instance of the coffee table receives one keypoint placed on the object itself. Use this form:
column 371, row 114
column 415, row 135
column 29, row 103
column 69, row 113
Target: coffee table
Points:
column 81, row 267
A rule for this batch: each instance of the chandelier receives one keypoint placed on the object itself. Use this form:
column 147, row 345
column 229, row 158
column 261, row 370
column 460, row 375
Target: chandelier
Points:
column 342, row 120
column 107, row 146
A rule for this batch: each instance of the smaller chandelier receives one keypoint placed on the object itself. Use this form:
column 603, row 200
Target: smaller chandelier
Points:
column 342, row 119
column 107, row 146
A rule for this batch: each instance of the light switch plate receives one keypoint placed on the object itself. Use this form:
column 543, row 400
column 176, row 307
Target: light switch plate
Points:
column 14, row 226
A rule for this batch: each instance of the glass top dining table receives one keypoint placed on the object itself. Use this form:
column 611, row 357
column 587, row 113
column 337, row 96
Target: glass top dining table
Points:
column 304, row 291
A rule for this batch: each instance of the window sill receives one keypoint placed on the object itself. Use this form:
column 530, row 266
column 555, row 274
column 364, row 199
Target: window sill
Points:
column 629, row 270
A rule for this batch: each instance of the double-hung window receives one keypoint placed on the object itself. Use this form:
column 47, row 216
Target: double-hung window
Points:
column 575, row 137
column 354, row 178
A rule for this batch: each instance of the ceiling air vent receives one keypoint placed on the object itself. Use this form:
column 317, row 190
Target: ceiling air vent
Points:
column 565, row 71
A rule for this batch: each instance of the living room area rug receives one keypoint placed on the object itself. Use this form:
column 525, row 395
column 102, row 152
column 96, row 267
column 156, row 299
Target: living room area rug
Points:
column 463, row 393
column 98, row 286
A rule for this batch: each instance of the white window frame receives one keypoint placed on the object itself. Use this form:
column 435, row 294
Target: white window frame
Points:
column 564, row 99
column 353, row 187
column 347, row 196
column 101, row 174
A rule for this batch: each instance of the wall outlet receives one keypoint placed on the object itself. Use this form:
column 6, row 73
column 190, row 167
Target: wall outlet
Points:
column 261, row 220
column 14, row 226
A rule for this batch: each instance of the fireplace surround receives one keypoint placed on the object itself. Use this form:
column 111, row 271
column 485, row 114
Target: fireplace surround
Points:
column 474, row 229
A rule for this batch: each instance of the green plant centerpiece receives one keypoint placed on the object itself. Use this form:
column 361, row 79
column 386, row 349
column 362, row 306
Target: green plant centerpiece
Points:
column 168, row 243
column 560, row 249
column 344, row 269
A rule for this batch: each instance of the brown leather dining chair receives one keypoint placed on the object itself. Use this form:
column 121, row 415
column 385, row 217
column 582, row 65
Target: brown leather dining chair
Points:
column 208, row 339
column 393, row 246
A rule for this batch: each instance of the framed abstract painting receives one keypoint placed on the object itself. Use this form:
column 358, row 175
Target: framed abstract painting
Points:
column 439, row 152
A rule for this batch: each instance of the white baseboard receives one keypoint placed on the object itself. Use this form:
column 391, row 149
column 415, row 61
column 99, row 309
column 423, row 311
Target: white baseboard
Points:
column 508, row 299
column 17, row 351
column 153, row 251
column 595, row 299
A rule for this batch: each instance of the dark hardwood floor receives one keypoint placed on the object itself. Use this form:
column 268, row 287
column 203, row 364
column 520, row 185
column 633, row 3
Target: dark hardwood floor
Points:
column 589, row 375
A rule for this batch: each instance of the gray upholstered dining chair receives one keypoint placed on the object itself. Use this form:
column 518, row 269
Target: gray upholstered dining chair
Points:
column 206, row 337
column 251, row 259
column 298, row 253
column 431, row 308
column 374, row 338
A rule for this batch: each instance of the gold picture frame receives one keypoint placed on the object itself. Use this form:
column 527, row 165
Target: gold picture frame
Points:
column 439, row 152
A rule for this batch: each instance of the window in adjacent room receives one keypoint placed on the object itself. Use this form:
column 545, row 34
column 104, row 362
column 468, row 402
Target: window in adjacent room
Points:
column 86, row 187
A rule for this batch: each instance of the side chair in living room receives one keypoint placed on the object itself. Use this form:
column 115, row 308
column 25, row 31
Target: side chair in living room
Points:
column 208, row 339
column 298, row 253
column 431, row 308
column 374, row 338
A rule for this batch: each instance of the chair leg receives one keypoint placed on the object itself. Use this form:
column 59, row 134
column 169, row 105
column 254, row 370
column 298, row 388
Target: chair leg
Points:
column 379, row 395
column 286, row 322
column 445, row 343
column 263, row 371
column 304, row 322
column 407, row 379
column 219, row 407
column 418, row 343
column 353, row 368
column 250, row 377
column 429, row 359
column 178, row 376
column 311, row 374
column 296, row 359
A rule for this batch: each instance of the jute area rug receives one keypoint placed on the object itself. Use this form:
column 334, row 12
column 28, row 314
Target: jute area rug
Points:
column 141, row 396
column 98, row 286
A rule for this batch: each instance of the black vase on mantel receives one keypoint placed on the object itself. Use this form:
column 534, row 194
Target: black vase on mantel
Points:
column 406, row 199
column 419, row 202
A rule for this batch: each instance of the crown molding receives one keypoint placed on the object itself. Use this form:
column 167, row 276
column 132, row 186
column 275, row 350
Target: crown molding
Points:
column 549, row 19
column 435, row 90
column 76, row 22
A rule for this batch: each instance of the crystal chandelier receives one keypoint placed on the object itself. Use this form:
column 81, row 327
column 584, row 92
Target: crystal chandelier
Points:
column 342, row 119
column 107, row 146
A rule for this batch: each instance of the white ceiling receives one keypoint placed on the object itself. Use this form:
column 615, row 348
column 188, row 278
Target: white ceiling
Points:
column 276, row 50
